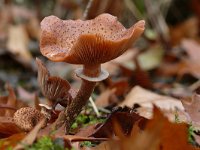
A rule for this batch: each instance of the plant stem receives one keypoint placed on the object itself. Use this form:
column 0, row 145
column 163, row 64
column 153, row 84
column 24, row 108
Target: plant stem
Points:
column 82, row 97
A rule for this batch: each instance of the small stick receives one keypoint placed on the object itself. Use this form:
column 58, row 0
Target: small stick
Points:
column 89, row 5
column 2, row 106
column 94, row 107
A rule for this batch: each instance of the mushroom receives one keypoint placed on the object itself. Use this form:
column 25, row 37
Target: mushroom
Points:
column 27, row 118
column 54, row 88
column 89, row 43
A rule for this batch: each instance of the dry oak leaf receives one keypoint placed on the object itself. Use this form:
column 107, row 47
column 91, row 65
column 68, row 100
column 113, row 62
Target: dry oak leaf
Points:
column 8, row 127
column 193, row 108
column 103, row 99
column 86, row 42
column 159, row 134
column 17, row 44
column 31, row 136
column 12, row 140
column 9, row 104
column 125, row 117
column 145, row 98
column 192, row 64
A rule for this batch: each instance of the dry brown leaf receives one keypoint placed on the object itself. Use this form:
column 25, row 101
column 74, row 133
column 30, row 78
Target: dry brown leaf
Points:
column 114, row 7
column 8, row 127
column 186, row 29
column 192, row 63
column 30, row 137
column 9, row 103
column 126, row 60
column 18, row 44
column 146, row 98
column 170, row 131
column 193, row 108
column 11, row 141
column 11, row 100
column 126, row 119
column 158, row 134
column 102, row 146
column 104, row 98
column 86, row 131
column 33, row 27
column 186, row 65
column 74, row 138
column 25, row 95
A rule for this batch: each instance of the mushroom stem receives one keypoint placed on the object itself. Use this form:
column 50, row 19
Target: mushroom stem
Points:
column 92, row 70
column 90, row 75
column 78, row 102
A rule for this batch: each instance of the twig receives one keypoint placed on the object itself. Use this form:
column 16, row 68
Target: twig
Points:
column 85, row 14
column 195, row 85
column 104, row 110
column 94, row 107
column 4, row 106
column 158, row 22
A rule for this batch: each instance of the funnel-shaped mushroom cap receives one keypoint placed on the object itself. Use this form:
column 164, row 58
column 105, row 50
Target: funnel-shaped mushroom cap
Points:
column 84, row 42
column 26, row 118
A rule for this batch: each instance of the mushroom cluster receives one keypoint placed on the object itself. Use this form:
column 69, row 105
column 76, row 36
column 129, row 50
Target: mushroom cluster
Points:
column 89, row 43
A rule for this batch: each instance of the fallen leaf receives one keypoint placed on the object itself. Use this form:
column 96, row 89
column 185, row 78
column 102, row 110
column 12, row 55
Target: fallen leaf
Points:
column 18, row 44
column 30, row 137
column 25, row 95
column 158, row 134
column 126, row 119
column 146, row 98
column 74, row 138
column 102, row 146
column 186, row 29
column 193, row 108
column 192, row 62
column 8, row 127
column 152, row 58
column 12, row 140
column 11, row 102
column 104, row 98
column 33, row 27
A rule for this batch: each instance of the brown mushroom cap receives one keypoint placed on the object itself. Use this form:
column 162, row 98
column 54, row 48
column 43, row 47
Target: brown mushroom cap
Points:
column 26, row 118
column 86, row 42
column 52, row 87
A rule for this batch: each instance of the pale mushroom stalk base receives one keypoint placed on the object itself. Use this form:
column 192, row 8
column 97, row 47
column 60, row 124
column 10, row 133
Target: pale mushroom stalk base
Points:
column 82, row 97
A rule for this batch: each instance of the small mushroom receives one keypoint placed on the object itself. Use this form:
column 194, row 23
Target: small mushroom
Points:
column 27, row 118
column 53, row 88
column 89, row 43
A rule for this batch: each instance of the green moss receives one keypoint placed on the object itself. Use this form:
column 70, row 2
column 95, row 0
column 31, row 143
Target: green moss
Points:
column 191, row 134
column 177, row 120
column 191, row 130
column 9, row 148
column 46, row 143
column 84, row 120
column 87, row 144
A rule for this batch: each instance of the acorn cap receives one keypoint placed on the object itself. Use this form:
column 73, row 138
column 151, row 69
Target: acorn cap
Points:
column 88, row 42
column 26, row 118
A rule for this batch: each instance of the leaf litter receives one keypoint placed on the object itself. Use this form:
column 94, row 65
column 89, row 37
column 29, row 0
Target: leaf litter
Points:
column 149, row 113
